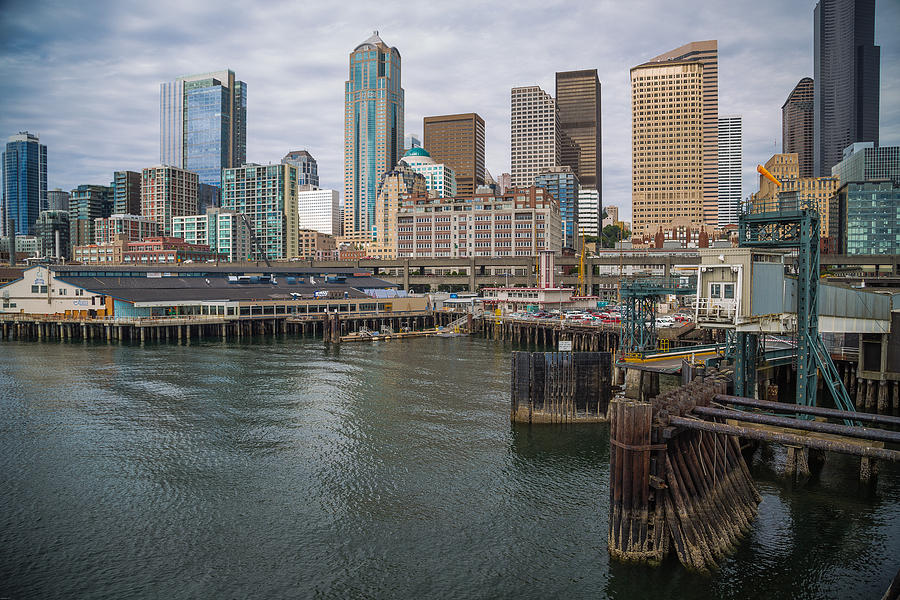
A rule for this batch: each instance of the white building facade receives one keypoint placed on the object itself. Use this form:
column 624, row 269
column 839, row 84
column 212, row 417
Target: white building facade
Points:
column 319, row 210
column 730, row 156
column 534, row 134
column 588, row 212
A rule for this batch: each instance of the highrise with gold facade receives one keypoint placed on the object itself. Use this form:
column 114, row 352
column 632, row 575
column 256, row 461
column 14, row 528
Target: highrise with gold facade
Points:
column 674, row 139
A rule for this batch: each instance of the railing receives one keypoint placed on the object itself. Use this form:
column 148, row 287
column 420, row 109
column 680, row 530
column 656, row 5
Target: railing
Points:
column 716, row 310
column 780, row 204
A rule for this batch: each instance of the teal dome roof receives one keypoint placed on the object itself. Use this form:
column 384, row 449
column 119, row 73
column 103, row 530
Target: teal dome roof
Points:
column 417, row 151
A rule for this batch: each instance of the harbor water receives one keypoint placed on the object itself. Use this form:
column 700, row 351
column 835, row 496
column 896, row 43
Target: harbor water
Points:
column 279, row 468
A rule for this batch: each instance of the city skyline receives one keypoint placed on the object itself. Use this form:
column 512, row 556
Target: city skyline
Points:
column 50, row 72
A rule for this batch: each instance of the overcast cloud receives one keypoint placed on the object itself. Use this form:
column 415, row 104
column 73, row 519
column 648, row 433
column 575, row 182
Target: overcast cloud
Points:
column 85, row 75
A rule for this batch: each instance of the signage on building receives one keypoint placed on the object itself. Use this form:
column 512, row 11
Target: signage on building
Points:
column 565, row 345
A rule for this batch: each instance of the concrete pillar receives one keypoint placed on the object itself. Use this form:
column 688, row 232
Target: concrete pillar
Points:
column 143, row 334
column 406, row 274
column 472, row 286
column 108, row 332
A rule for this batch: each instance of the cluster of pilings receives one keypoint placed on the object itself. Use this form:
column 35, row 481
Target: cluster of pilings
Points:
column 560, row 387
column 185, row 329
column 675, row 488
column 549, row 333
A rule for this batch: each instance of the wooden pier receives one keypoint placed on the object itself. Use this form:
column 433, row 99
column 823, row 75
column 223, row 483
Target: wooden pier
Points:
column 679, row 480
column 185, row 329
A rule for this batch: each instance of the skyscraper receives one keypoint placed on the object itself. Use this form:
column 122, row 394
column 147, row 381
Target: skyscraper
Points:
column 578, row 99
column 267, row 194
column 307, row 167
column 797, row 125
column 730, row 158
column 126, row 193
column 674, row 145
column 846, row 79
column 203, row 124
column 373, row 131
column 24, row 182
column 534, row 134
column 458, row 142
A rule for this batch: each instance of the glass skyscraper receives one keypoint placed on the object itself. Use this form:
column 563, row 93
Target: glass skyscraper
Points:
column 24, row 182
column 203, row 124
column 846, row 79
column 562, row 183
column 373, row 131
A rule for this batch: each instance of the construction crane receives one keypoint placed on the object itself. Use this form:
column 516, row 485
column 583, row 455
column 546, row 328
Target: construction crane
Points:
column 581, row 268
column 253, row 239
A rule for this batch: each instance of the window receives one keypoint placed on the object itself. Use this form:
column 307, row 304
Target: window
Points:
column 715, row 290
column 728, row 291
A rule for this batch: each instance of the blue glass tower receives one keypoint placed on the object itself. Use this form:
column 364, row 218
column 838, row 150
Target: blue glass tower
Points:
column 24, row 182
column 373, row 131
column 562, row 183
column 203, row 124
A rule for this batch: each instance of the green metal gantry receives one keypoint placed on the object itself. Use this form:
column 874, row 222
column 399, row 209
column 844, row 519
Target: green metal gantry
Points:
column 788, row 222
column 639, row 297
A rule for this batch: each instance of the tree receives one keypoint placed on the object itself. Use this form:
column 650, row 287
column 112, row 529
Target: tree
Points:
column 612, row 234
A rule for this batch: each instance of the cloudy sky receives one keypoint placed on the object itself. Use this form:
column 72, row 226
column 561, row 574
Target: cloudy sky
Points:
column 85, row 75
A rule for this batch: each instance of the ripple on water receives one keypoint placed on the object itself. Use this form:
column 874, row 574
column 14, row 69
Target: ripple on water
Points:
column 284, row 468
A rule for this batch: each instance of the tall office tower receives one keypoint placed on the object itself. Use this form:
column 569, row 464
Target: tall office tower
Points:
column 797, row 125
column 578, row 99
column 58, row 200
column 458, row 142
column 267, row 194
column 846, row 79
column 373, row 131
column 562, row 183
column 534, row 134
column 203, row 124
column 168, row 192
column 319, row 210
column 52, row 229
column 126, row 193
column 307, row 167
column 24, row 182
column 730, row 158
column 589, row 212
column 674, row 139
column 87, row 203
column 440, row 178
column 397, row 185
